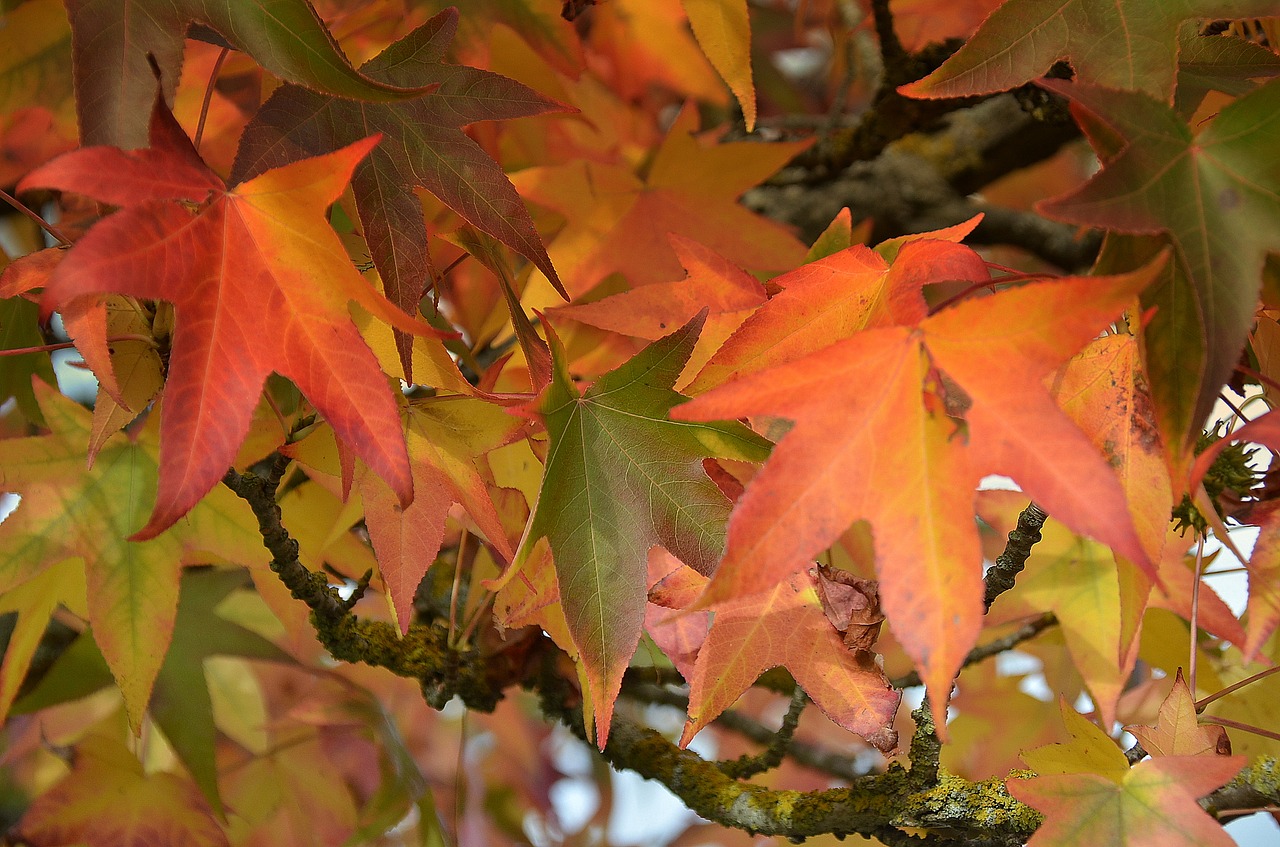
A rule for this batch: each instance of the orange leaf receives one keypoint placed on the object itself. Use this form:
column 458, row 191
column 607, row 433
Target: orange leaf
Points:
column 836, row 296
column 259, row 282
column 786, row 626
column 618, row 221
column 1178, row 731
column 871, row 440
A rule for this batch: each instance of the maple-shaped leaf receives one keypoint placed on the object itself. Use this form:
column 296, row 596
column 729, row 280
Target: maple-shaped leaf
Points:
column 1089, row 794
column 787, row 626
column 1178, row 731
column 870, row 419
column 1120, row 44
column 423, row 145
column 620, row 479
column 70, row 511
column 114, row 43
column 108, row 800
column 1214, row 195
column 834, row 297
column 259, row 283
column 618, row 221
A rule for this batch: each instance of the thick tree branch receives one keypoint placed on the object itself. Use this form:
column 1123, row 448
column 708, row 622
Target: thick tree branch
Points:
column 918, row 181
column 1000, row 576
column 952, row 810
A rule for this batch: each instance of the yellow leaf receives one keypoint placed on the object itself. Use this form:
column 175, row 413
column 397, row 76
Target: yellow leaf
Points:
column 724, row 34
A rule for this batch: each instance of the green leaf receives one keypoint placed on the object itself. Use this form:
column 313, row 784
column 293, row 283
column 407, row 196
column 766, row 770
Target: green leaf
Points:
column 70, row 511
column 112, row 40
column 18, row 329
column 621, row 479
column 1214, row 195
column 1122, row 44
column 181, row 704
column 1218, row 63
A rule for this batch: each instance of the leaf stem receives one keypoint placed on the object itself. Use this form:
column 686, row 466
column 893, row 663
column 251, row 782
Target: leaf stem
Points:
column 208, row 98
column 1231, row 689
column 1195, row 613
column 1243, row 727
column 39, row 221
column 64, row 345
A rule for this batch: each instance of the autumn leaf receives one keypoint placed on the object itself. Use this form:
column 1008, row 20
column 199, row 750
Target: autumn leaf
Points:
column 620, row 479
column 33, row 603
column 728, row 293
column 870, row 420
column 69, row 511
column 786, row 626
column 18, row 331
column 259, row 283
column 446, row 438
column 115, row 41
column 37, row 111
column 182, row 705
column 618, row 221
column 108, row 800
column 1178, row 731
column 834, row 297
column 1214, row 195
column 423, row 145
column 723, row 30
column 1118, row 44
column 1089, row 794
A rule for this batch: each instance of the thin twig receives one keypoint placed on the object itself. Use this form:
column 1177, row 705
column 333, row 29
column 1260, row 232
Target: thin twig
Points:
column 1023, row 633
column 39, row 221
column 746, row 766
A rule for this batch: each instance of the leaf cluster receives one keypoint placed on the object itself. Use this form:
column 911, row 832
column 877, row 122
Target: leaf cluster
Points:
column 584, row 365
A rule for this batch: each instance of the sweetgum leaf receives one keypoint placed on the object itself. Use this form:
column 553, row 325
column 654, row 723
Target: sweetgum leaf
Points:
column 1089, row 795
column 70, row 511
column 1213, row 195
column 871, row 418
column 114, row 42
column 1178, row 731
column 259, row 283
column 786, row 626
column 423, row 145
column 1120, row 44
column 109, row 801
column 617, row 220
column 620, row 479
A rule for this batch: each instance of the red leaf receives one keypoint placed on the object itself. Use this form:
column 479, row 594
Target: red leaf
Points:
column 259, row 282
